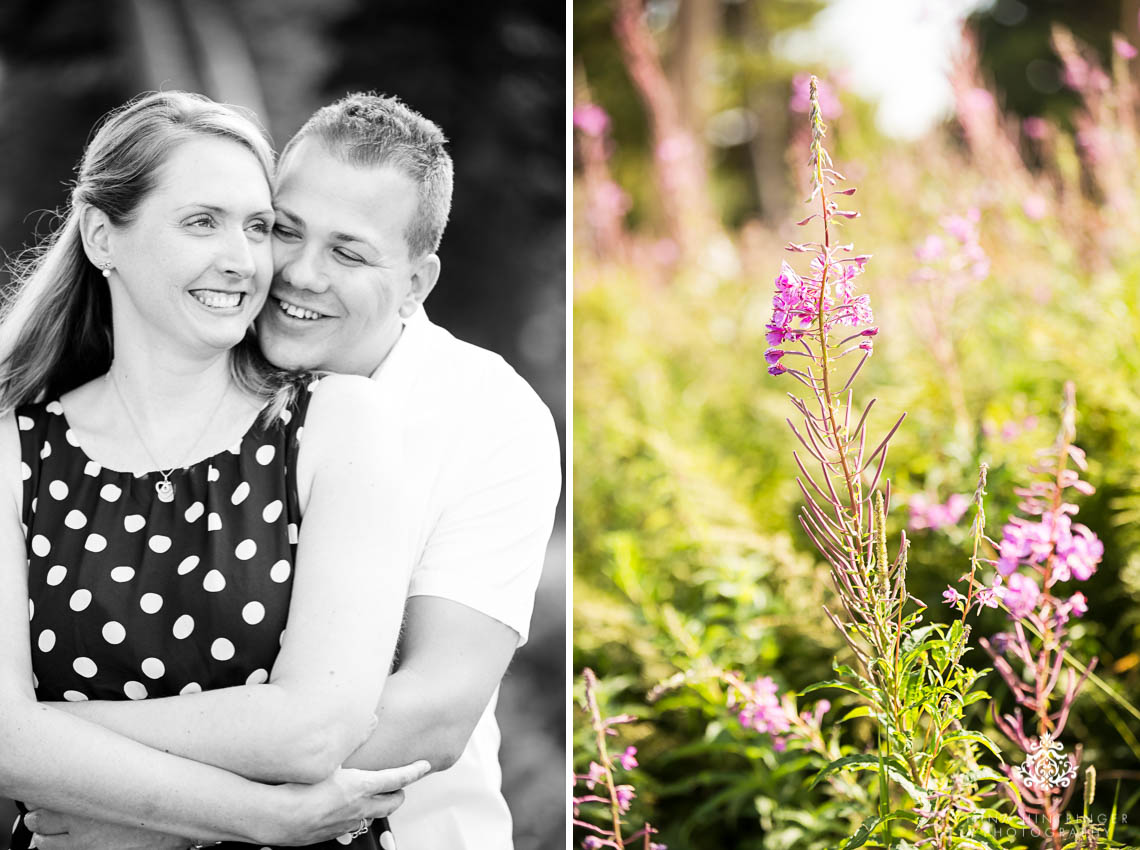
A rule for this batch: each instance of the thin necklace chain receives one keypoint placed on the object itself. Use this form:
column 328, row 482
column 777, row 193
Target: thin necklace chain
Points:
column 138, row 432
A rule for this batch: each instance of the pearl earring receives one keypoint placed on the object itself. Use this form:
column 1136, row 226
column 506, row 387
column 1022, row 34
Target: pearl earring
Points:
column 107, row 266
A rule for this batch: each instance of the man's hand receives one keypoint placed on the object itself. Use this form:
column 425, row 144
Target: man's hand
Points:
column 56, row 831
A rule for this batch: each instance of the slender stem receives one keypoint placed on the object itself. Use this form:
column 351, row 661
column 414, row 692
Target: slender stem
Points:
column 603, row 754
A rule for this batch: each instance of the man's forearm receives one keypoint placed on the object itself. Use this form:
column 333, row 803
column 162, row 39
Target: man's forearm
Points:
column 418, row 719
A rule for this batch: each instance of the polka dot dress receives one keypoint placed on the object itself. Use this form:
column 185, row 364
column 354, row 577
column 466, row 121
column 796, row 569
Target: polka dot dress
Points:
column 131, row 597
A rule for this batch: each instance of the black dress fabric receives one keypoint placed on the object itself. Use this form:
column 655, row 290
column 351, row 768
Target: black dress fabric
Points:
column 132, row 597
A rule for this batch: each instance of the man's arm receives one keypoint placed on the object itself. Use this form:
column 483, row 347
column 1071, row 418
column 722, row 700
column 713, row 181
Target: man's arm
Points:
column 451, row 660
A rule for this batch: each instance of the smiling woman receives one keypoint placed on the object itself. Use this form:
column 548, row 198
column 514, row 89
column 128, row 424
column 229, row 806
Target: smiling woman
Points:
column 151, row 510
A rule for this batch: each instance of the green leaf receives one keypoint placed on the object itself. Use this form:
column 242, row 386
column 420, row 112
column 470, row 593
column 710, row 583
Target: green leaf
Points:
column 974, row 737
column 859, row 838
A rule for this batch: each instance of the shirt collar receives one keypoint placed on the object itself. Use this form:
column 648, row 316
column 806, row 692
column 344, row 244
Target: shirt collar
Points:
column 397, row 370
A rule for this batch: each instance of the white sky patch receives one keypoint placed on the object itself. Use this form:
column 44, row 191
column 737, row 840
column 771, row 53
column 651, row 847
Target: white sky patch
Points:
column 893, row 52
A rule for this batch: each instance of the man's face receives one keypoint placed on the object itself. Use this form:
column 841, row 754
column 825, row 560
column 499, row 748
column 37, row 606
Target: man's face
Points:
column 342, row 272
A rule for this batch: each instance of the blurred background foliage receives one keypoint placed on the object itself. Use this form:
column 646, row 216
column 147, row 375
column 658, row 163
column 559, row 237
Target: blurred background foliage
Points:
column 687, row 555
column 492, row 75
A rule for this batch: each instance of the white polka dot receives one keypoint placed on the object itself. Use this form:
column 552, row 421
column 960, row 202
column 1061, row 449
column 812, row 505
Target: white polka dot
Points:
column 222, row 649
column 183, row 626
column 35, row 501
column 240, row 493
column 133, row 522
column 45, row 452
column 192, row 688
column 16, row 823
column 258, row 677
column 188, row 564
column 93, row 469
column 286, row 416
column 24, row 423
column 293, row 534
column 151, row 603
column 279, row 572
column 46, row 640
column 387, row 842
column 75, row 519
column 25, row 471
column 214, row 522
column 114, row 633
column 195, row 511
column 214, row 581
column 245, row 550
column 56, row 575
column 153, row 668
column 31, row 610
column 122, row 574
column 84, row 666
column 212, row 474
column 74, row 696
column 41, row 545
column 69, row 435
column 345, row 839
column 58, row 490
column 300, row 432
column 80, row 600
column 253, row 613
column 159, row 543
column 272, row 511
column 95, row 543
column 110, row 493
column 54, row 408
column 281, row 638
column 135, row 690
column 265, row 455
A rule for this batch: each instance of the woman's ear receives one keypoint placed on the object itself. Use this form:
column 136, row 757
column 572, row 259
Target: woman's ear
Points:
column 95, row 230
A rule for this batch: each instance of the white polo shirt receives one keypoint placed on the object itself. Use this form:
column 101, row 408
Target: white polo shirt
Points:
column 483, row 476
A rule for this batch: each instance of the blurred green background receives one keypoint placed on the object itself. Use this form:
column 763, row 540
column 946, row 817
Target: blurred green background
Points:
column 492, row 75
column 690, row 148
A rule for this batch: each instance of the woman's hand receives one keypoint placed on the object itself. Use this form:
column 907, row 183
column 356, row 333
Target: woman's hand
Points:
column 336, row 806
column 316, row 813
column 59, row 831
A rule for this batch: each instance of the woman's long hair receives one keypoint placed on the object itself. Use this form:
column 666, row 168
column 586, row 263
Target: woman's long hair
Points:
column 55, row 324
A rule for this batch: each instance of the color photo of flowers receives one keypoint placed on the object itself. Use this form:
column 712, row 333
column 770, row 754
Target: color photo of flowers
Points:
column 856, row 481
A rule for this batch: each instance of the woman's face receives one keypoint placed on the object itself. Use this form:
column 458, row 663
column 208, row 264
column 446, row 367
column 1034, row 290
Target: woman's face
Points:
column 192, row 269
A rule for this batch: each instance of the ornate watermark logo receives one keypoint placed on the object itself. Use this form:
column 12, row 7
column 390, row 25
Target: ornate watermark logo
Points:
column 1046, row 766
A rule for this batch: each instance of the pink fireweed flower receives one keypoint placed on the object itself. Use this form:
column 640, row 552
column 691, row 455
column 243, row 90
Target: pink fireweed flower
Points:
column 1078, row 554
column 952, row 597
column 624, row 796
column 592, row 842
column 1035, row 127
column 1078, row 604
column 924, row 514
column 597, row 774
column 764, row 712
column 1020, row 595
column 628, row 759
column 591, row 119
column 1123, row 48
column 1034, row 207
column 931, row 249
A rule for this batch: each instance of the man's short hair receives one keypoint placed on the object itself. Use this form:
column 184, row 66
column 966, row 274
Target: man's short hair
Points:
column 367, row 129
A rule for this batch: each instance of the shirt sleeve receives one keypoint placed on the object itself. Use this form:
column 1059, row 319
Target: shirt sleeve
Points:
column 502, row 481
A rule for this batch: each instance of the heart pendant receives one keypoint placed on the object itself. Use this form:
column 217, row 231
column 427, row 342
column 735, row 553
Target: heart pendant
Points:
column 165, row 490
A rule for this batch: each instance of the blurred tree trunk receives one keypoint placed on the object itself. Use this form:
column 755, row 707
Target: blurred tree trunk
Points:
column 693, row 59
column 679, row 156
column 195, row 46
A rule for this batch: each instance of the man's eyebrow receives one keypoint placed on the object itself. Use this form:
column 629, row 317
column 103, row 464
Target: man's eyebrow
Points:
column 214, row 208
column 348, row 237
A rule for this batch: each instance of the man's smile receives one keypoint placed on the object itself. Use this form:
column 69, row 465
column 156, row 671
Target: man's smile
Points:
column 296, row 311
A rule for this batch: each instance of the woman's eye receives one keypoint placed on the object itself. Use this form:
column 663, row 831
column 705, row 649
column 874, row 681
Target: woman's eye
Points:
column 203, row 221
column 260, row 227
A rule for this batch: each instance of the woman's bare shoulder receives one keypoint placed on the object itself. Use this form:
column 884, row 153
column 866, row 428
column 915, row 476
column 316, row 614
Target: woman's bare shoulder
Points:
column 11, row 479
